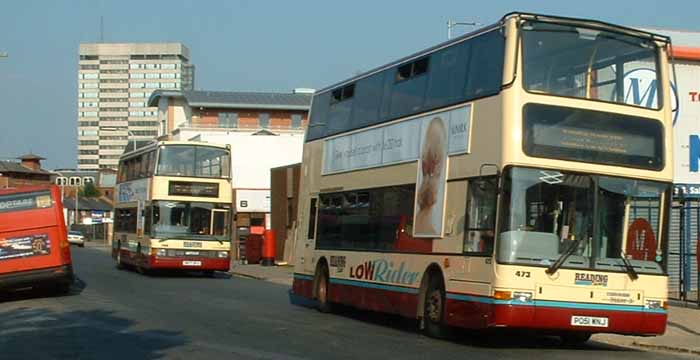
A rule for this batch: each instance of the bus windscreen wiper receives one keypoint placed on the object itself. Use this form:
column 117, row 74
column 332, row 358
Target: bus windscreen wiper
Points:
column 628, row 267
column 560, row 261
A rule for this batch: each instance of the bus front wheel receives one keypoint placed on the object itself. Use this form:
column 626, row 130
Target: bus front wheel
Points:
column 120, row 264
column 324, row 304
column 434, row 309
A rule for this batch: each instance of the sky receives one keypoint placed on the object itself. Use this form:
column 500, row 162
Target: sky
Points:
column 242, row 46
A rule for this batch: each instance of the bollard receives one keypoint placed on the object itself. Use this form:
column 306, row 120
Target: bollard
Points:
column 269, row 248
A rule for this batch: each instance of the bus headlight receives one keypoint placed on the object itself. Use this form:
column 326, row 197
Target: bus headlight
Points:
column 223, row 254
column 522, row 296
column 654, row 304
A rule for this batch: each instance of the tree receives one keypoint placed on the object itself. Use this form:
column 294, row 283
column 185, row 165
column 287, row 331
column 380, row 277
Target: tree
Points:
column 90, row 190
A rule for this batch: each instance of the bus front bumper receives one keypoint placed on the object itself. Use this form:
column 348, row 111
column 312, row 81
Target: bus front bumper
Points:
column 640, row 322
column 190, row 263
column 52, row 275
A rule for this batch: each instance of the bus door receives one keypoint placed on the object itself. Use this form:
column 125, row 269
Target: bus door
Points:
column 219, row 222
column 308, row 238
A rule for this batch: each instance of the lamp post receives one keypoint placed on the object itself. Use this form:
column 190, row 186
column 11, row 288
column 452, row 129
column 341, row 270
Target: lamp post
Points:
column 452, row 23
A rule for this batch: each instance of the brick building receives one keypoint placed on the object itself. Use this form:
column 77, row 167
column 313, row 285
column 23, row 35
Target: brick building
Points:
column 26, row 172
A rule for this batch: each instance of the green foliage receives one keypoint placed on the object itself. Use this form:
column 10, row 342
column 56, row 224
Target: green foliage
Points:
column 90, row 191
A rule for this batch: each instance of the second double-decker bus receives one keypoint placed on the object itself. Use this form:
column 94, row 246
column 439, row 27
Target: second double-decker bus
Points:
column 517, row 177
column 173, row 207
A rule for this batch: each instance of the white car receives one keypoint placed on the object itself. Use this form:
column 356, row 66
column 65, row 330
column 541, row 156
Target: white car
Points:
column 76, row 238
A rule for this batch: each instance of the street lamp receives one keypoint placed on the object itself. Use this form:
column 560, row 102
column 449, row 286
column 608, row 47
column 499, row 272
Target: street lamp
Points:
column 451, row 24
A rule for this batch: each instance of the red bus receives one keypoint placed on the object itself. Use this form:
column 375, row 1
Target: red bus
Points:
column 34, row 248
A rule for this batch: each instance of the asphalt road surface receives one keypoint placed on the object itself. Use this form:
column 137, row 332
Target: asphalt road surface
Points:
column 114, row 314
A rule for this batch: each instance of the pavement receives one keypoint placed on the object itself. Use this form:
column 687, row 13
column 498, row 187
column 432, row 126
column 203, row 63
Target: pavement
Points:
column 277, row 274
column 682, row 333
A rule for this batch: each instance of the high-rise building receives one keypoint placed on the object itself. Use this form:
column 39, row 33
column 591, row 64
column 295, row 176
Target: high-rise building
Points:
column 114, row 84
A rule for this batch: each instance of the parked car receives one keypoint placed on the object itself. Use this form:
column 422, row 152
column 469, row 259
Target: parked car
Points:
column 76, row 238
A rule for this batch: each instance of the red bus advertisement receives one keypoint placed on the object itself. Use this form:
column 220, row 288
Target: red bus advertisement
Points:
column 34, row 248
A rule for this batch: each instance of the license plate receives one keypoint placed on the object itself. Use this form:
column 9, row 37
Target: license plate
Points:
column 191, row 263
column 589, row 321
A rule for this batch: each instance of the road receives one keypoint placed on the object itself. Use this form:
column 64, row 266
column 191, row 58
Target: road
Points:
column 114, row 314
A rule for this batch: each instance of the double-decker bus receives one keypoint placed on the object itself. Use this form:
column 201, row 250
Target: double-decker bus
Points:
column 34, row 248
column 173, row 207
column 518, row 176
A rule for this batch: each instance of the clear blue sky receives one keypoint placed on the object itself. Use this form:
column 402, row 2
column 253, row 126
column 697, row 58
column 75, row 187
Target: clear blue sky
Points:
column 241, row 45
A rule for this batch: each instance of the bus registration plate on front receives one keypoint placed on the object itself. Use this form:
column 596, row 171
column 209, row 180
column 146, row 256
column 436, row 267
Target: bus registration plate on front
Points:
column 589, row 321
column 191, row 263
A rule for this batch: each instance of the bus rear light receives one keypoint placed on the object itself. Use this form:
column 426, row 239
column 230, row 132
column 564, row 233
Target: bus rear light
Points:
column 502, row 295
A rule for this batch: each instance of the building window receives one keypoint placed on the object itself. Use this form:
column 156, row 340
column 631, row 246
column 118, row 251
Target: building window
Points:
column 167, row 85
column 296, row 121
column 136, row 76
column 137, row 85
column 152, row 76
column 137, row 104
column 264, row 120
column 152, row 85
column 168, row 66
column 91, row 76
column 168, row 76
column 228, row 119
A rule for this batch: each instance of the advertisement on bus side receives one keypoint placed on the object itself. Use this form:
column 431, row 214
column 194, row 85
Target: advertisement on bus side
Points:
column 25, row 246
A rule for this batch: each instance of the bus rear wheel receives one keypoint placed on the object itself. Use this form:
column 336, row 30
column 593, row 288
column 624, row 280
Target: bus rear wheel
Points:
column 434, row 309
column 322, row 290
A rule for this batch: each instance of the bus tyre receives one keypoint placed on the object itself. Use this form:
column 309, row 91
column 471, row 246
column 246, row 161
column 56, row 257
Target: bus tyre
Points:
column 120, row 264
column 322, row 290
column 139, row 261
column 575, row 338
column 63, row 288
column 434, row 309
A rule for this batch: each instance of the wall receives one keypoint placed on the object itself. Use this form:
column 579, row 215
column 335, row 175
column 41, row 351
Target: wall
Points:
column 687, row 127
column 285, row 202
column 252, row 156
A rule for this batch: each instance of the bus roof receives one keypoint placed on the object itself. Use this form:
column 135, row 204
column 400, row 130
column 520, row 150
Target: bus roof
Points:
column 155, row 144
column 521, row 15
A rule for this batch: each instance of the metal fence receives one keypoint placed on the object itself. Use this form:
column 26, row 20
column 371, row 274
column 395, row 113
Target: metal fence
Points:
column 682, row 252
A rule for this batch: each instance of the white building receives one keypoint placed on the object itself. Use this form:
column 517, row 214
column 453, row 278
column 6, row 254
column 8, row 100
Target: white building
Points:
column 114, row 84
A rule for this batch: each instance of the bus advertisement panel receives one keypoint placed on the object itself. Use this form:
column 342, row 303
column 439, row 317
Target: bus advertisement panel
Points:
column 34, row 248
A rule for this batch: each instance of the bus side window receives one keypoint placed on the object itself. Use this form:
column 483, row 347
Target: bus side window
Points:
column 481, row 216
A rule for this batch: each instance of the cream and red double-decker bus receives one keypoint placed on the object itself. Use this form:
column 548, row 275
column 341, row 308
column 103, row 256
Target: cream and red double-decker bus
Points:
column 518, row 177
column 173, row 207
